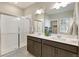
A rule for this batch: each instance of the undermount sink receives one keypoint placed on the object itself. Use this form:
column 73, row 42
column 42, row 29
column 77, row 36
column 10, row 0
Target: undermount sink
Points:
column 56, row 37
column 62, row 38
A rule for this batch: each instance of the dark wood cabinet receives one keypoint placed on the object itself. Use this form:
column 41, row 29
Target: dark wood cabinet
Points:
column 56, row 49
column 48, row 51
column 78, row 51
column 47, row 48
column 53, row 52
column 64, row 53
column 37, row 49
column 34, row 46
column 30, row 46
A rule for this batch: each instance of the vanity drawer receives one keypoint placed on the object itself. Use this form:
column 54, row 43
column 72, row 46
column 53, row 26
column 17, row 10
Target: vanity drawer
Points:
column 34, row 38
column 59, row 45
column 66, row 47
column 48, row 42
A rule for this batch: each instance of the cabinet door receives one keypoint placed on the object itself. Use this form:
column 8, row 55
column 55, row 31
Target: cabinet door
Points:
column 30, row 46
column 37, row 49
column 53, row 52
column 78, row 52
column 64, row 53
column 48, row 51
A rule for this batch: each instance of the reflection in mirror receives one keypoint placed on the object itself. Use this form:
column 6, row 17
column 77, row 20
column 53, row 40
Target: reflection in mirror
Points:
column 38, row 27
column 65, row 25
column 61, row 20
column 38, row 21
column 54, row 26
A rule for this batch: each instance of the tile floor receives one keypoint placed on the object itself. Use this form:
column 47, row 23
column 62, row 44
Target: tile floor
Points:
column 21, row 52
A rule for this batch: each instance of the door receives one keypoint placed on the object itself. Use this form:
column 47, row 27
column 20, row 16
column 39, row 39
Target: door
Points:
column 9, row 34
column 24, row 30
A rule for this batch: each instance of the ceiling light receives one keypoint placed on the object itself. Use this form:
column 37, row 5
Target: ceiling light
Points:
column 41, row 19
column 64, row 4
column 18, row 19
column 61, row 4
column 57, row 6
column 39, row 11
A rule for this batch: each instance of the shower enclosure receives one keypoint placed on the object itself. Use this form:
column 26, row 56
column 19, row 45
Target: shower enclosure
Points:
column 13, row 33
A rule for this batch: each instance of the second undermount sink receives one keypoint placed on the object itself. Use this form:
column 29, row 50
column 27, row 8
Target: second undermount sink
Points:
column 62, row 38
column 56, row 37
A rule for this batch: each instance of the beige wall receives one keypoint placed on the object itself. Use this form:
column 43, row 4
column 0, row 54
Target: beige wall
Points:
column 31, row 9
column 10, row 9
column 13, row 10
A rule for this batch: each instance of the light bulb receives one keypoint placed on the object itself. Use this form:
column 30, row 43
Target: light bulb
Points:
column 57, row 6
column 18, row 18
column 62, row 4
column 39, row 11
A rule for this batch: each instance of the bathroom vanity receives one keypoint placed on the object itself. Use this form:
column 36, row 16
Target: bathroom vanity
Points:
column 43, row 46
column 60, row 33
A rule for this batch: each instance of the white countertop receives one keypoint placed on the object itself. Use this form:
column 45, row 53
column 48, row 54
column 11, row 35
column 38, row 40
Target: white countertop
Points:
column 63, row 39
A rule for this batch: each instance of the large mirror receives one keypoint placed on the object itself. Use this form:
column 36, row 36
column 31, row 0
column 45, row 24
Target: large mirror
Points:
column 61, row 20
column 38, row 21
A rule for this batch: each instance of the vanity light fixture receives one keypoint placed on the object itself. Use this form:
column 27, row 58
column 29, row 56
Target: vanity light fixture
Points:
column 41, row 19
column 64, row 4
column 39, row 11
column 60, row 4
column 18, row 19
column 56, row 5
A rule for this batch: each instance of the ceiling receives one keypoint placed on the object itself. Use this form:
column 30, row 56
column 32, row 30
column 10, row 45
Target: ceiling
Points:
column 67, row 8
column 24, row 5
column 21, row 4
